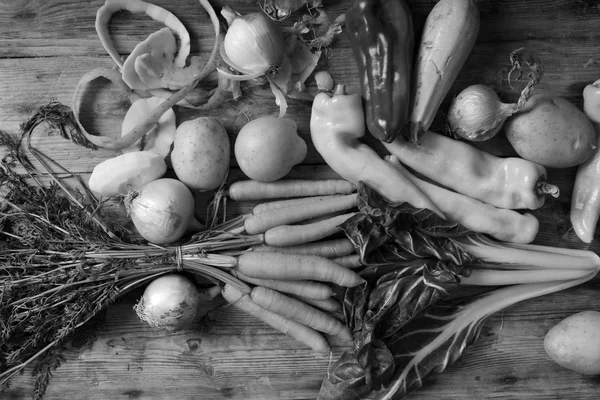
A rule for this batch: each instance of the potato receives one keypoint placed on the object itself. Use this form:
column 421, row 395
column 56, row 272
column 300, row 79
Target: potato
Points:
column 201, row 152
column 118, row 175
column 574, row 343
column 267, row 148
column 552, row 132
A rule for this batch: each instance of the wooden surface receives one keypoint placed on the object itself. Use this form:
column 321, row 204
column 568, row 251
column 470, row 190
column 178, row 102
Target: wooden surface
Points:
column 47, row 45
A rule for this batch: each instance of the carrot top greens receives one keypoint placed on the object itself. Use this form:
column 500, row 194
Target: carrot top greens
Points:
column 61, row 264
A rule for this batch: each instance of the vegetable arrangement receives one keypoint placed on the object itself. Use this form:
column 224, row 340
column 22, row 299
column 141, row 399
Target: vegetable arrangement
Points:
column 397, row 244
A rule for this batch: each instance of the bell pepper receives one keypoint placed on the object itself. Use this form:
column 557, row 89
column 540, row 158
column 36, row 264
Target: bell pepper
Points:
column 585, row 201
column 336, row 126
column 504, row 182
column 382, row 40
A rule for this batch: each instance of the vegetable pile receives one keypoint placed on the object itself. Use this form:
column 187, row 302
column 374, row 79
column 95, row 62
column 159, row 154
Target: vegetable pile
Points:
column 403, row 256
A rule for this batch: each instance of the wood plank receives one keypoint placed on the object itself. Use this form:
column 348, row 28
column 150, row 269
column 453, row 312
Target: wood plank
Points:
column 31, row 28
column 565, row 76
column 233, row 355
column 508, row 20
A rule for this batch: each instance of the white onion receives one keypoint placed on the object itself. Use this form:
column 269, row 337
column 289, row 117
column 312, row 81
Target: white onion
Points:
column 161, row 210
column 253, row 44
column 477, row 113
column 169, row 302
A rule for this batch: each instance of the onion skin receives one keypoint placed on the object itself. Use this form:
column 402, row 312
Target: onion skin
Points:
column 477, row 114
column 169, row 302
column 161, row 210
column 254, row 44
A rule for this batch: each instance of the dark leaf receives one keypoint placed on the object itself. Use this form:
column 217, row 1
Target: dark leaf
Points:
column 388, row 233
column 411, row 263
column 377, row 363
column 426, row 345
column 345, row 380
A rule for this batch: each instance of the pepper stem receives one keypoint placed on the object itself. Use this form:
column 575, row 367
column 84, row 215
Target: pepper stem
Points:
column 340, row 89
column 544, row 188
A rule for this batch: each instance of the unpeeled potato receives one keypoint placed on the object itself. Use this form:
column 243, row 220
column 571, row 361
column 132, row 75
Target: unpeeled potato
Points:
column 551, row 131
column 201, row 152
column 574, row 343
column 267, row 148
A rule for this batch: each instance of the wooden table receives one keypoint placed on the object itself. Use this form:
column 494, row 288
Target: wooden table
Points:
column 46, row 46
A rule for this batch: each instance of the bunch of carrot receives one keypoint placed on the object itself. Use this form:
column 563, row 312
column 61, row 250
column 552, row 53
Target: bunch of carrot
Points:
column 301, row 258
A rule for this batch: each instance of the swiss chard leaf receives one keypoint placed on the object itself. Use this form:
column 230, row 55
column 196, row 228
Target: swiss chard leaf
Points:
column 426, row 345
column 411, row 262
column 408, row 319
column 345, row 380
column 386, row 233
column 394, row 365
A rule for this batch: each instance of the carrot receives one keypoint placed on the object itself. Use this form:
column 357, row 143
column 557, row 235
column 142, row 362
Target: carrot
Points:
column 286, row 188
column 327, row 248
column 294, row 329
column 209, row 293
column 500, row 223
column 330, row 304
column 309, row 289
column 349, row 260
column 298, row 311
column 289, row 235
column 270, row 265
column 273, row 205
column 261, row 222
column 450, row 32
column 320, row 218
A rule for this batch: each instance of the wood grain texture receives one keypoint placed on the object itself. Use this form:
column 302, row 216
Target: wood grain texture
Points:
column 47, row 46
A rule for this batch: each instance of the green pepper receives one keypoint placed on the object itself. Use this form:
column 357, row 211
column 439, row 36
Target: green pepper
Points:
column 382, row 40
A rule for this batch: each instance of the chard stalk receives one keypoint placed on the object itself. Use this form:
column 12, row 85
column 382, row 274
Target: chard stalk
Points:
column 495, row 277
column 471, row 316
column 522, row 255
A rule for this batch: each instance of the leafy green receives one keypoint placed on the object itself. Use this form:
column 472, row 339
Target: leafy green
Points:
column 413, row 316
column 386, row 233
column 411, row 263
